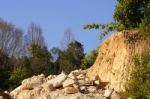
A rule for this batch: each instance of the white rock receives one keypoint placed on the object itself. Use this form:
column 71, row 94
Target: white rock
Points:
column 97, row 82
column 1, row 97
column 48, row 87
column 81, row 76
column 107, row 93
column 77, row 72
column 72, row 76
column 16, row 91
column 115, row 95
column 24, row 94
column 50, row 77
column 6, row 92
column 76, row 86
column 83, row 89
column 68, row 82
column 70, row 90
column 57, row 81
column 33, row 82
column 91, row 89
column 84, row 82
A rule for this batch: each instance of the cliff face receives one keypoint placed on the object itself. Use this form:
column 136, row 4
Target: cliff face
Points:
column 114, row 62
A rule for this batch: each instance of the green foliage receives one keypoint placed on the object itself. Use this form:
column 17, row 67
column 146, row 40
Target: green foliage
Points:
column 40, row 60
column 17, row 75
column 128, row 14
column 5, row 63
column 145, row 24
column 70, row 59
column 139, row 85
column 89, row 60
column 114, row 26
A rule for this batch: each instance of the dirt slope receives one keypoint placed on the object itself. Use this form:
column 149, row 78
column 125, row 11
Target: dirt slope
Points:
column 114, row 62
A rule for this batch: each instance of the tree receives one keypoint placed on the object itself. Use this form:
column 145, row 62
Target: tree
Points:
column 70, row 58
column 17, row 75
column 40, row 60
column 10, row 39
column 20, row 71
column 67, row 39
column 35, row 36
column 56, row 53
column 130, row 12
column 145, row 24
column 5, row 69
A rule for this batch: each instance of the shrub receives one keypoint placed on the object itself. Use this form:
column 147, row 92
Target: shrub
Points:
column 139, row 84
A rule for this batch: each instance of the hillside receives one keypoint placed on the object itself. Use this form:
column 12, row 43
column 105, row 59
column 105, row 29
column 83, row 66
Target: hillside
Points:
column 114, row 62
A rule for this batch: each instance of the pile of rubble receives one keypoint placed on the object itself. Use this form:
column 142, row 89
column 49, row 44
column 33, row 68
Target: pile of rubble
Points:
column 76, row 85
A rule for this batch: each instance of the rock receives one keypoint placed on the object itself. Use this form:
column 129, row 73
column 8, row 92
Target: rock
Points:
column 115, row 95
column 48, row 87
column 77, row 72
column 84, row 82
column 50, row 77
column 60, row 87
column 16, row 91
column 68, row 82
column 24, row 94
column 95, row 77
column 107, row 93
column 91, row 89
column 1, row 97
column 70, row 90
column 6, row 92
column 33, row 82
column 97, row 83
column 81, row 76
column 57, row 81
column 72, row 76
column 83, row 89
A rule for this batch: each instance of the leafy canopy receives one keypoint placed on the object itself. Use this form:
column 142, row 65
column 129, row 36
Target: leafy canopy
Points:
column 128, row 14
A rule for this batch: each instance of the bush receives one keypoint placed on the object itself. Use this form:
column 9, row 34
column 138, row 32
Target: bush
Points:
column 139, row 84
column 17, row 75
column 89, row 60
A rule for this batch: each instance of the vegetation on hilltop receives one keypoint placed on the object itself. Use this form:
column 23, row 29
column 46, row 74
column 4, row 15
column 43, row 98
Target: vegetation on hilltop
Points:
column 128, row 14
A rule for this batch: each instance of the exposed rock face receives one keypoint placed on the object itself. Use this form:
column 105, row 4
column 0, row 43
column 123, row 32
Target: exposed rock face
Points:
column 76, row 85
column 114, row 62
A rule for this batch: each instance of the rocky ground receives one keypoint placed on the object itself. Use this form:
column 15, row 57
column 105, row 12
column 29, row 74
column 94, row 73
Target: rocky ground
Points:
column 75, row 85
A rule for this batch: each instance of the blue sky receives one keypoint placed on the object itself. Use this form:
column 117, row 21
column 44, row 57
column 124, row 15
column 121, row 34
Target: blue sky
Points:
column 55, row 16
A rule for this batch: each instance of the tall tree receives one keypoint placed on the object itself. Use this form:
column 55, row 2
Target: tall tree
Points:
column 71, row 58
column 67, row 39
column 40, row 60
column 34, row 35
column 10, row 39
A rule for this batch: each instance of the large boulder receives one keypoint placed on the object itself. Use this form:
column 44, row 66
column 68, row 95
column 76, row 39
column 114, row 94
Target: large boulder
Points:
column 70, row 90
column 68, row 82
column 16, row 91
column 57, row 81
column 33, row 82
